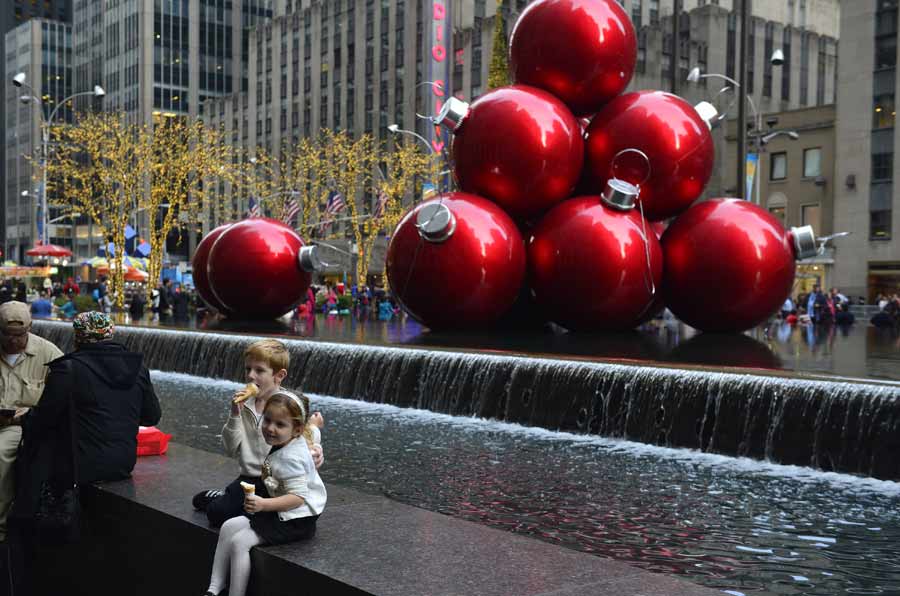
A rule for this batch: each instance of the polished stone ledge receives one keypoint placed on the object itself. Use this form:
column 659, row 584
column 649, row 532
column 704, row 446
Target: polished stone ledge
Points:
column 144, row 536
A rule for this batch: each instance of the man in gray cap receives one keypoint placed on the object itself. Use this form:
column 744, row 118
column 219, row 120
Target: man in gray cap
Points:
column 23, row 367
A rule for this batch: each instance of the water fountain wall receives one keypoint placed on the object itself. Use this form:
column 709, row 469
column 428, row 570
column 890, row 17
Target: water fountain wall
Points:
column 840, row 426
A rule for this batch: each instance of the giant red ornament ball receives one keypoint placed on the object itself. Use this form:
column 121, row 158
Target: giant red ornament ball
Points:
column 675, row 138
column 461, row 272
column 254, row 269
column 201, row 279
column 729, row 265
column 589, row 269
column 520, row 147
column 581, row 51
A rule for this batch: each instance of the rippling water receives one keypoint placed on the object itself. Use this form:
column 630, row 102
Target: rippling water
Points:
column 744, row 527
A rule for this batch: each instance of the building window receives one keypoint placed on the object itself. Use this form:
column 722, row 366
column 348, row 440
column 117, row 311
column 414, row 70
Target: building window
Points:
column 778, row 212
column 812, row 162
column 767, row 64
column 882, row 167
column 778, row 166
column 886, row 50
column 811, row 215
column 731, row 47
column 880, row 210
column 786, row 67
column 820, row 73
column 804, row 69
column 879, row 225
column 884, row 112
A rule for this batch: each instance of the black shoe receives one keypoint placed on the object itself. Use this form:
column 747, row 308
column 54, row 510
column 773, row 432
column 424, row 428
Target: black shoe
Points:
column 204, row 498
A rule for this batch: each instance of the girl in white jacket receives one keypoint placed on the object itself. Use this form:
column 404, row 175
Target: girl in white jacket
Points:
column 295, row 496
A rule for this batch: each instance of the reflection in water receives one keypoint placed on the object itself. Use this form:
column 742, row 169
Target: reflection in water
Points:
column 738, row 525
column 857, row 351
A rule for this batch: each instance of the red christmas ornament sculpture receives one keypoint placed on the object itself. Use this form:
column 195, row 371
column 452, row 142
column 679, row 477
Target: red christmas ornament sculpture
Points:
column 673, row 134
column 729, row 264
column 456, row 260
column 594, row 262
column 581, row 51
column 518, row 146
column 259, row 268
column 201, row 280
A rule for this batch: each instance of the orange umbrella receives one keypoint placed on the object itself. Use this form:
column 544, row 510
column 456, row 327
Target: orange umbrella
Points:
column 135, row 275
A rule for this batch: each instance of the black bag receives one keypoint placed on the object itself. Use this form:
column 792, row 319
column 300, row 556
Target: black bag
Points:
column 58, row 516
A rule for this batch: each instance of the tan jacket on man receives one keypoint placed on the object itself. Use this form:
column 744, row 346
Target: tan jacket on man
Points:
column 21, row 386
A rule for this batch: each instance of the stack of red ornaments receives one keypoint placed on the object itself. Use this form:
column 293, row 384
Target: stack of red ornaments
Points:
column 565, row 181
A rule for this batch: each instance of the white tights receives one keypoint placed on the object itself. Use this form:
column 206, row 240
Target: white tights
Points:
column 236, row 538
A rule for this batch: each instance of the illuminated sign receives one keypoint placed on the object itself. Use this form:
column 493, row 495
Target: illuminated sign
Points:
column 439, row 66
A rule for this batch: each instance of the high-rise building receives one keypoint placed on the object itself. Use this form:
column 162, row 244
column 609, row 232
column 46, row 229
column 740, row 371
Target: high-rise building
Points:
column 163, row 57
column 12, row 14
column 867, row 262
column 359, row 65
column 41, row 51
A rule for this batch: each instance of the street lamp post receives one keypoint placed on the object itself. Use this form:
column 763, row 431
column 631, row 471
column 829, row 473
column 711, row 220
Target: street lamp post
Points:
column 46, row 124
column 394, row 128
column 695, row 75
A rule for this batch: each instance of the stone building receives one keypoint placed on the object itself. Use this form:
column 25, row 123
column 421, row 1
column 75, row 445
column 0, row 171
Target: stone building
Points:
column 866, row 203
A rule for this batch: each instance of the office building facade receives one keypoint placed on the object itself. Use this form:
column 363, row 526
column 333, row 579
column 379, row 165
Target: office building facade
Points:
column 41, row 50
column 866, row 203
column 357, row 65
column 12, row 14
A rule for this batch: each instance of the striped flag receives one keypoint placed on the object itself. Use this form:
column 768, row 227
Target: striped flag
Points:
column 291, row 209
column 253, row 208
column 334, row 205
column 380, row 204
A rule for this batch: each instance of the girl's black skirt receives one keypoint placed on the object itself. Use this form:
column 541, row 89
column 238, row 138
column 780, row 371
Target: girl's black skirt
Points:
column 274, row 531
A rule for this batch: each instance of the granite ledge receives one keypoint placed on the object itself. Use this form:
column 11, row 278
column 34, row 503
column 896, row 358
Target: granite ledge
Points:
column 366, row 544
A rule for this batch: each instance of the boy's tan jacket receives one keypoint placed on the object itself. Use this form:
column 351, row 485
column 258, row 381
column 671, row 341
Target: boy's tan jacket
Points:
column 243, row 440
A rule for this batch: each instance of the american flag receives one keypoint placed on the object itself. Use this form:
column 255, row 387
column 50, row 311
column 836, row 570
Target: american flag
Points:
column 380, row 204
column 253, row 208
column 333, row 206
column 291, row 209
column 335, row 203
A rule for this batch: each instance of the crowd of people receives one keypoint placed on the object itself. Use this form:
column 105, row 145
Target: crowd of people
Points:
column 72, row 419
column 363, row 301
column 833, row 307
column 818, row 308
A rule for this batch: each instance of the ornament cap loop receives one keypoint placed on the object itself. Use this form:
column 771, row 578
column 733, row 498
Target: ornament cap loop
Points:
column 436, row 223
column 804, row 242
column 708, row 113
column 452, row 113
column 309, row 259
column 620, row 194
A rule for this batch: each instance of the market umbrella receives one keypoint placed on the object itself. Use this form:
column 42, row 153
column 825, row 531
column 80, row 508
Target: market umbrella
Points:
column 135, row 275
column 49, row 250
column 96, row 262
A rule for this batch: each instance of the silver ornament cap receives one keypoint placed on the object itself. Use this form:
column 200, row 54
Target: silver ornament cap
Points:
column 620, row 194
column 804, row 242
column 708, row 113
column 309, row 259
column 436, row 223
column 452, row 113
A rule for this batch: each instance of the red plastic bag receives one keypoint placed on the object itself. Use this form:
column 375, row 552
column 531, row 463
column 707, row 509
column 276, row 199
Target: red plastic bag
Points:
column 152, row 441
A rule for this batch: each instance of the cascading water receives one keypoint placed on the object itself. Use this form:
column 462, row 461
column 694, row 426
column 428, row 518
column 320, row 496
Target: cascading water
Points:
column 839, row 426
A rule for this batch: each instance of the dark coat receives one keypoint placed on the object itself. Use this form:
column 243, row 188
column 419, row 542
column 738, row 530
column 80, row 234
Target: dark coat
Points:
column 112, row 393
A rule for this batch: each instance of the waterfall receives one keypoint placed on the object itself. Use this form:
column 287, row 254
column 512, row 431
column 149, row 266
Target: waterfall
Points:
column 830, row 425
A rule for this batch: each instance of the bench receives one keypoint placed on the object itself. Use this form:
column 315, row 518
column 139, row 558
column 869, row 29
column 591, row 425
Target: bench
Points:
column 144, row 538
